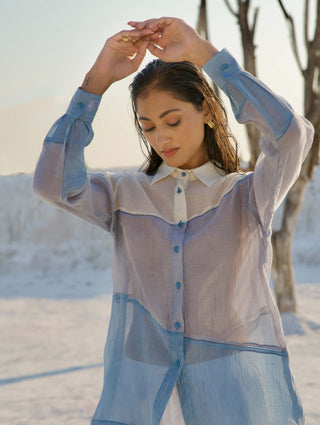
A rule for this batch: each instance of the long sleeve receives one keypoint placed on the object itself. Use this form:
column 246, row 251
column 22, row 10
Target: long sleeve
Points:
column 61, row 178
column 285, row 139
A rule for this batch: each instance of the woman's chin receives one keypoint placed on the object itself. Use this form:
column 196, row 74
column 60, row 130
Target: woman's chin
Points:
column 171, row 162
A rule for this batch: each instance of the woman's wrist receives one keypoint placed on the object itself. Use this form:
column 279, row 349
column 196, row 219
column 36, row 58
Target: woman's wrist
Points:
column 93, row 84
column 203, row 53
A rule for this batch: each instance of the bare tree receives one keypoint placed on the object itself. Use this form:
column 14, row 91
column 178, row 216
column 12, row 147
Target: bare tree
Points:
column 282, row 269
column 247, row 31
column 282, row 239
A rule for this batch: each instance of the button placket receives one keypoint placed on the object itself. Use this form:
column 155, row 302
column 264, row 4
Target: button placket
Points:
column 180, row 205
column 177, row 303
column 177, row 248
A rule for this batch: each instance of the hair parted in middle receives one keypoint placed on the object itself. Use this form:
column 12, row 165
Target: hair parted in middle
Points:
column 186, row 82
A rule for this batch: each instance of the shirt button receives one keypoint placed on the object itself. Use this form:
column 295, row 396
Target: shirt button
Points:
column 179, row 190
column 81, row 105
column 183, row 173
column 178, row 284
column 180, row 224
column 224, row 66
column 178, row 363
column 176, row 248
column 177, row 325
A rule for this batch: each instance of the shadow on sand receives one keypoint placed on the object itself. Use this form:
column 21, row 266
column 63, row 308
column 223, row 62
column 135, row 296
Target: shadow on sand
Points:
column 16, row 379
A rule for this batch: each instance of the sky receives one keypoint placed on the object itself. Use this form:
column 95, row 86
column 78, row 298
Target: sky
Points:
column 47, row 46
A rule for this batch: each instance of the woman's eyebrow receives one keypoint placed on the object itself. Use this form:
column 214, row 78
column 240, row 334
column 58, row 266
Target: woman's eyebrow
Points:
column 161, row 116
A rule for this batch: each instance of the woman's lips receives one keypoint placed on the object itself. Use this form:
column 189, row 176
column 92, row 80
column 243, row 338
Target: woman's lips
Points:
column 170, row 152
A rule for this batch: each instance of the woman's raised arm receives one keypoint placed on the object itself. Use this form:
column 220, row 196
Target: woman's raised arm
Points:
column 61, row 178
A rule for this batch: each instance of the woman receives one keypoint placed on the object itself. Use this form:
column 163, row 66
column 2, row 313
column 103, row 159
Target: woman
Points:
column 195, row 337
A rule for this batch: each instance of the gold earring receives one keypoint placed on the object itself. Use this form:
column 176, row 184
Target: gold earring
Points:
column 210, row 123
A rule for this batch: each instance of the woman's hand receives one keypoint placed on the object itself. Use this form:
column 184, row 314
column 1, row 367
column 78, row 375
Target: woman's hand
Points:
column 172, row 40
column 121, row 55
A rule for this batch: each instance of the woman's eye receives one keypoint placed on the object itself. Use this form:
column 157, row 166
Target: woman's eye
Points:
column 174, row 124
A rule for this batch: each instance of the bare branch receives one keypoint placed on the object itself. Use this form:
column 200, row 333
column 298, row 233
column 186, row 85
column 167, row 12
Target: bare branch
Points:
column 255, row 18
column 293, row 35
column 202, row 26
column 230, row 8
column 316, row 39
column 306, row 24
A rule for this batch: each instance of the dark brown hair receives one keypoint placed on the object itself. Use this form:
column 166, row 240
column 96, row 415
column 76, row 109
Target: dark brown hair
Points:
column 186, row 82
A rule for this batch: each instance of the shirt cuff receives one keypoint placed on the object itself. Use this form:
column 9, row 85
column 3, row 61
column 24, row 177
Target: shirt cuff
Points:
column 222, row 67
column 84, row 105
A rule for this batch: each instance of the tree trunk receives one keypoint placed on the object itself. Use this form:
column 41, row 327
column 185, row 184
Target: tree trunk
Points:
column 254, row 146
column 282, row 269
column 282, row 272
column 202, row 28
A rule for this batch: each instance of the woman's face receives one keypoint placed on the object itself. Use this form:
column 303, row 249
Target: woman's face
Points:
column 175, row 129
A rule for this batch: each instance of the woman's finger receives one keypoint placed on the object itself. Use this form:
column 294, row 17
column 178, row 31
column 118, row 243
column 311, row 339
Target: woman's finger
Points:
column 154, row 37
column 156, row 51
column 141, row 24
column 165, row 20
column 132, row 35
column 142, row 49
column 157, row 24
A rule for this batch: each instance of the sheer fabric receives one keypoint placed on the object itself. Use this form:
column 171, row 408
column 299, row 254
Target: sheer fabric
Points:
column 195, row 336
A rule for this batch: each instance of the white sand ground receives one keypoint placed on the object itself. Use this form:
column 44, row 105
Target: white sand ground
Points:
column 51, row 347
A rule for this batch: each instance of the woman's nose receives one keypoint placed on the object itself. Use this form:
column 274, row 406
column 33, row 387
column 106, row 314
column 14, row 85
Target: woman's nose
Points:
column 161, row 138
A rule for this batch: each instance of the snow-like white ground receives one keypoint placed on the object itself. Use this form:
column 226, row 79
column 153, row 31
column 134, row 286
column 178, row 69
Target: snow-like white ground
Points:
column 55, row 298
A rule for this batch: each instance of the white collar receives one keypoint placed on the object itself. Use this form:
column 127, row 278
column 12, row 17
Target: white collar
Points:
column 206, row 173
